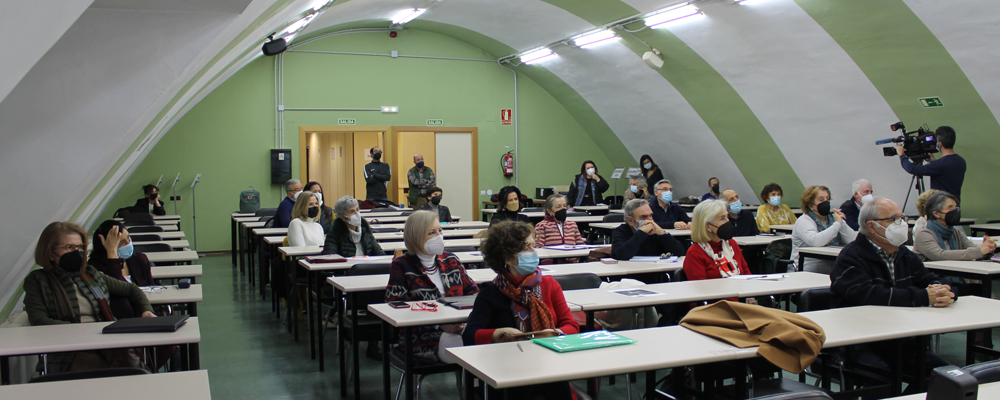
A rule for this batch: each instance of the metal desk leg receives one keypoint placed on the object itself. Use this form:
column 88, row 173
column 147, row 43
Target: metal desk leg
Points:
column 194, row 358
column 650, row 383
column 193, row 309
column 340, row 346
column 923, row 345
column 408, row 356
column 318, row 309
column 897, row 371
column 5, row 372
column 241, row 249
column 310, row 284
column 386, row 343
column 251, row 249
column 355, row 352
column 232, row 241
column 185, row 352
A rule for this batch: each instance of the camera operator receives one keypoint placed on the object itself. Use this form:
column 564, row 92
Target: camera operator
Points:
column 948, row 172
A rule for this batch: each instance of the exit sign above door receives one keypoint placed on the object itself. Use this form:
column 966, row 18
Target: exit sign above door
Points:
column 435, row 122
column 347, row 121
column 931, row 102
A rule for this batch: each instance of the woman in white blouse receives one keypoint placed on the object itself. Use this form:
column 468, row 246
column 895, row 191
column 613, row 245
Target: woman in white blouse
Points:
column 820, row 226
column 304, row 229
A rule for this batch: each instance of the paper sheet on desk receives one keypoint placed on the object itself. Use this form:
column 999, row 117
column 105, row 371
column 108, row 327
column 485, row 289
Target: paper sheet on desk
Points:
column 569, row 247
column 370, row 258
column 654, row 259
column 635, row 292
column 771, row 277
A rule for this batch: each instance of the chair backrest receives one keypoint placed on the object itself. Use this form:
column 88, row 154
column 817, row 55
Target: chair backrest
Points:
column 88, row 374
column 578, row 281
column 268, row 222
column 985, row 372
column 810, row 395
column 614, row 218
column 266, row 212
column 146, row 237
column 383, row 209
column 614, row 200
column 617, row 206
column 814, row 299
column 365, row 298
column 577, row 214
column 533, row 209
column 265, row 219
column 369, row 269
column 134, row 217
column 145, row 229
column 152, row 247
column 679, row 276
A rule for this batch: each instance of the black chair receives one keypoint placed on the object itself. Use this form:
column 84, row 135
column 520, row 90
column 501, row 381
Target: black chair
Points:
column 810, row 395
column 532, row 209
column 145, row 229
column 614, row 218
column 138, row 218
column 614, row 200
column 382, row 209
column 130, row 224
column 266, row 212
column 985, row 372
column 577, row 214
column 147, row 237
column 89, row 374
column 616, row 206
column 578, row 281
column 152, row 247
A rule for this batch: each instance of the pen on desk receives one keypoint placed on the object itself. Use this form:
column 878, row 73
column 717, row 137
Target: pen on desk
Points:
column 519, row 347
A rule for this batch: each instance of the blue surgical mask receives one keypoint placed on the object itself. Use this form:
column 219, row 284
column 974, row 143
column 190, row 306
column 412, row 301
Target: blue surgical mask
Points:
column 667, row 197
column 125, row 252
column 527, row 263
column 647, row 165
column 634, row 189
column 774, row 200
column 735, row 207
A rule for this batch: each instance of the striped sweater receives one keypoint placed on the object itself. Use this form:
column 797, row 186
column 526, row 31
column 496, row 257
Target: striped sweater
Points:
column 547, row 233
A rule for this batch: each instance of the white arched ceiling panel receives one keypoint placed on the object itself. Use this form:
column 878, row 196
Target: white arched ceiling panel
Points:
column 968, row 30
column 521, row 24
column 356, row 10
column 24, row 42
column 816, row 103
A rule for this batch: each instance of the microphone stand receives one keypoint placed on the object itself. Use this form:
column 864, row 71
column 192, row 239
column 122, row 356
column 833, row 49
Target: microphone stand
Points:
column 173, row 192
column 194, row 221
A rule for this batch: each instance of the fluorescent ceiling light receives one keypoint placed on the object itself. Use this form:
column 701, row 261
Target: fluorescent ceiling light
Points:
column 407, row 15
column 390, row 109
column 295, row 26
column 594, row 39
column 537, row 56
column 748, row 2
column 318, row 4
column 659, row 20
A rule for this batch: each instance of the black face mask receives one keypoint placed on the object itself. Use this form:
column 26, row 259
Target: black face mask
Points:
column 725, row 231
column 376, row 155
column 953, row 217
column 715, row 188
column 313, row 212
column 153, row 195
column 436, row 200
column 823, row 209
column 72, row 261
column 561, row 215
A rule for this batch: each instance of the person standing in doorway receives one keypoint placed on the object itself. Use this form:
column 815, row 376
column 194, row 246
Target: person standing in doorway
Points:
column 421, row 179
column 377, row 176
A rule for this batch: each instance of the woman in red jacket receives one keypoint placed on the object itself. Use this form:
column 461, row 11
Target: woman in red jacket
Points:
column 518, row 300
column 714, row 254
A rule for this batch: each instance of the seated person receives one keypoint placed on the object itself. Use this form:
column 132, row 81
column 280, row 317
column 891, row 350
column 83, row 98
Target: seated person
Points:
column 555, row 229
column 520, row 299
column 508, row 206
column 637, row 189
column 151, row 203
column 350, row 235
column 772, row 212
column 325, row 211
column 640, row 235
column 714, row 254
column 943, row 238
column 713, row 189
column 283, row 216
column 114, row 255
column 65, row 290
column 921, row 205
column 587, row 189
column 877, row 269
column 305, row 230
column 861, row 192
column 434, row 204
column 741, row 219
column 420, row 274
column 666, row 213
column 820, row 226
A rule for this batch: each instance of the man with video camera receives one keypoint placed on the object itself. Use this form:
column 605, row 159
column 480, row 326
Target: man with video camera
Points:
column 948, row 172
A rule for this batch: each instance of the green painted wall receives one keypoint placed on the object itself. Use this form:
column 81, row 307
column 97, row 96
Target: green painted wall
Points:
column 227, row 136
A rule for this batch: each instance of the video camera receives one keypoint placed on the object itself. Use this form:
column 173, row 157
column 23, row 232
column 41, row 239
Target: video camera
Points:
column 917, row 145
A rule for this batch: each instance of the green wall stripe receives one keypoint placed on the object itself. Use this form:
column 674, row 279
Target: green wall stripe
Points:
column 711, row 96
column 905, row 61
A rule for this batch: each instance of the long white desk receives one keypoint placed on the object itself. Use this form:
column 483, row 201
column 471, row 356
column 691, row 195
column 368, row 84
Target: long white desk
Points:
column 182, row 256
column 177, row 272
column 168, row 217
column 170, row 294
column 782, row 228
column 391, row 247
column 164, row 236
column 396, row 218
column 174, row 244
column 612, row 225
column 449, row 233
column 986, row 229
column 188, row 385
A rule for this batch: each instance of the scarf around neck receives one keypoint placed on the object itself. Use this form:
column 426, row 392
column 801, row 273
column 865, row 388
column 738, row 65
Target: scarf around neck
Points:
column 64, row 309
column 824, row 225
column 943, row 233
column 530, row 312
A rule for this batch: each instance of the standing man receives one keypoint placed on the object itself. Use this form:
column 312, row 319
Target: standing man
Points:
column 151, row 202
column 377, row 174
column 284, row 214
column 862, row 193
column 421, row 178
column 948, row 172
column 713, row 189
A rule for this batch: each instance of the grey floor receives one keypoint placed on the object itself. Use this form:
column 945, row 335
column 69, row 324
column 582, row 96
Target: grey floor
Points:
column 249, row 354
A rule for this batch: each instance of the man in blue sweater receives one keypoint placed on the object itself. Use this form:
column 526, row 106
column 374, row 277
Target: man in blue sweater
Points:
column 948, row 172
column 284, row 214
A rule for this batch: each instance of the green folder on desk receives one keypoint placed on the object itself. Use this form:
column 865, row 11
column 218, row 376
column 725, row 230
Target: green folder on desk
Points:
column 583, row 341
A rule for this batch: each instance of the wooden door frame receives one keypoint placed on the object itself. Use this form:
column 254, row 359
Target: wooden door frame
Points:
column 337, row 129
column 394, row 140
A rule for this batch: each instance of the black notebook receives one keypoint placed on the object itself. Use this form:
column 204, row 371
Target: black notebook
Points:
column 140, row 325
column 459, row 302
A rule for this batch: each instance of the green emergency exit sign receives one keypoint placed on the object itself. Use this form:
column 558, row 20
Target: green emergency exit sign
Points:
column 347, row 121
column 435, row 122
column 931, row 102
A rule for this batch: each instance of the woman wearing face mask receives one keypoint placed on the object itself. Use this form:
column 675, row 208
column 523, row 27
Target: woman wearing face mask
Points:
column 325, row 212
column 772, row 212
column 820, row 226
column 555, row 229
column 942, row 238
column 650, row 171
column 509, row 206
column 637, row 188
column 350, row 235
column 304, row 229
column 714, row 254
column 434, row 195
column 921, row 209
column 66, row 290
column 119, row 260
column 427, row 273
column 588, row 187
column 518, row 300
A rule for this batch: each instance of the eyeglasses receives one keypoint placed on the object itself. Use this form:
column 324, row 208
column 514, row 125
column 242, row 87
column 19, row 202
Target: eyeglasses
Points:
column 73, row 247
column 895, row 219
column 424, row 306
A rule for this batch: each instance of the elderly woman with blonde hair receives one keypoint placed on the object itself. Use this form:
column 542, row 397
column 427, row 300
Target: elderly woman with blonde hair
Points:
column 427, row 272
column 713, row 254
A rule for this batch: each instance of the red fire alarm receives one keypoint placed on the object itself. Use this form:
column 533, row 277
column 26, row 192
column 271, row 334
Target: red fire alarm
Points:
column 392, row 34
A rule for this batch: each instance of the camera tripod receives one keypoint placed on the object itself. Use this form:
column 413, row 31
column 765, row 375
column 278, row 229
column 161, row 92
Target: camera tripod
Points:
column 917, row 181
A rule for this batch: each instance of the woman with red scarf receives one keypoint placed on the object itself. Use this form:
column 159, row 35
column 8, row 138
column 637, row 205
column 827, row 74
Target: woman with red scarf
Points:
column 520, row 299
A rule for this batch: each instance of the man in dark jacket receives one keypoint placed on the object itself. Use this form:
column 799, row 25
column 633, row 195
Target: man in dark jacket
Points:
column 640, row 235
column 283, row 216
column 742, row 219
column 151, row 203
column 861, row 193
column 666, row 213
column 377, row 176
column 878, row 269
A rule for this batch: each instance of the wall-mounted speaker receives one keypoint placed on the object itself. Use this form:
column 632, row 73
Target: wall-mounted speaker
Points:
column 274, row 47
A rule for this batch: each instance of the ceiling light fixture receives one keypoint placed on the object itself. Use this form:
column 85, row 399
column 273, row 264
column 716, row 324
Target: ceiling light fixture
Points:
column 407, row 15
column 297, row 25
column 537, row 56
column 660, row 20
column 390, row 109
column 593, row 39
column 748, row 2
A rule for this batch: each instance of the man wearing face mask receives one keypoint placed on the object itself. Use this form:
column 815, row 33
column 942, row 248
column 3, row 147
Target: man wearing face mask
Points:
column 638, row 188
column 861, row 191
column 665, row 212
column 151, row 202
column 421, row 179
column 350, row 235
column 713, row 189
column 942, row 238
column 877, row 269
column 640, row 235
column 820, row 226
column 377, row 176
column 433, row 204
column 947, row 172
column 283, row 216
column 742, row 220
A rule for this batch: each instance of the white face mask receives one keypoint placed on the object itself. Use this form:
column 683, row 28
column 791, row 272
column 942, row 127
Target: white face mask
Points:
column 296, row 195
column 434, row 245
column 866, row 198
column 355, row 219
column 591, row 171
column 897, row 233
column 319, row 197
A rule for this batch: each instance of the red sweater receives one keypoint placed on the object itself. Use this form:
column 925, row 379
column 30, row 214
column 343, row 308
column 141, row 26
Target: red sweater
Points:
column 698, row 265
column 547, row 233
column 492, row 311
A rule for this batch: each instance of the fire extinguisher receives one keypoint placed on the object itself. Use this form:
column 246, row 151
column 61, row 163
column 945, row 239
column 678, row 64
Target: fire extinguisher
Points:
column 507, row 164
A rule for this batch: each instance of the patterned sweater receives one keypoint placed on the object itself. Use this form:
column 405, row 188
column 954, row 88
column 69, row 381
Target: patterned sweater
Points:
column 547, row 233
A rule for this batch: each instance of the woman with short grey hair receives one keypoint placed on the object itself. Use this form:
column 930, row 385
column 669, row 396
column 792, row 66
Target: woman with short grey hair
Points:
column 350, row 235
column 637, row 188
column 942, row 238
